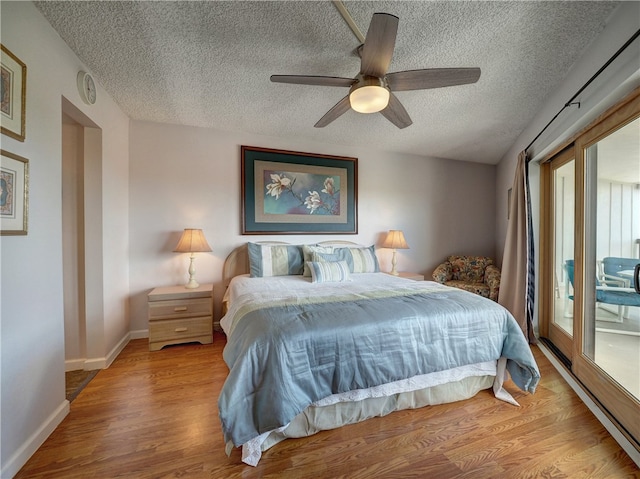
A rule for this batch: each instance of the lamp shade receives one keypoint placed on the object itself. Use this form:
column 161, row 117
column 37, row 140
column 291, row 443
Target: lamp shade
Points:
column 192, row 241
column 395, row 240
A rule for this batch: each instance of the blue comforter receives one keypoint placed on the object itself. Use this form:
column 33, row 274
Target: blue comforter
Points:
column 288, row 350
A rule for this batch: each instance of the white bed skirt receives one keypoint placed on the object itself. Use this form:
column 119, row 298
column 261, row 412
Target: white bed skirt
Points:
column 355, row 406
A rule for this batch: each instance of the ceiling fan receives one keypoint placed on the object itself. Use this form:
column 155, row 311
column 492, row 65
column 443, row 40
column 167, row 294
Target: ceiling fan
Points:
column 372, row 90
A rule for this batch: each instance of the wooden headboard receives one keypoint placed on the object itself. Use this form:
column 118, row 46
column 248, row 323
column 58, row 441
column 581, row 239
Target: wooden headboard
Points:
column 237, row 262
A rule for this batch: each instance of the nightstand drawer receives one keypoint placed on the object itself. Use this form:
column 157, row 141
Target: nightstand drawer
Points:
column 182, row 308
column 178, row 329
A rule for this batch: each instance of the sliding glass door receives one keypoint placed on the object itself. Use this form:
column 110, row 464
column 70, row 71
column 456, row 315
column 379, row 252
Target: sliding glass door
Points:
column 590, row 247
column 611, row 334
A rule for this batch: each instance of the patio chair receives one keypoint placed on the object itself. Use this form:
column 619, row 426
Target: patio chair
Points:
column 619, row 269
column 609, row 292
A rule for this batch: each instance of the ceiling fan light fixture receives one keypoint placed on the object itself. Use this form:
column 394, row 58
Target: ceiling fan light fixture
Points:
column 369, row 98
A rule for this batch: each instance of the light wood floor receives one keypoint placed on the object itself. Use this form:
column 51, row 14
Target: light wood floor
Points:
column 155, row 415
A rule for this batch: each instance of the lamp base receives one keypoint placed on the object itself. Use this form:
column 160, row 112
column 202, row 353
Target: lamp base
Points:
column 192, row 284
column 393, row 264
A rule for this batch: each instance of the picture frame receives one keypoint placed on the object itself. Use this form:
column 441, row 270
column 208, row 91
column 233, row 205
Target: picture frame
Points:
column 13, row 96
column 291, row 192
column 14, row 194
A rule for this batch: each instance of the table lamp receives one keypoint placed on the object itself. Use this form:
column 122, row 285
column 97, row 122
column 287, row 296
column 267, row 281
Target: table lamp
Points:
column 192, row 241
column 395, row 240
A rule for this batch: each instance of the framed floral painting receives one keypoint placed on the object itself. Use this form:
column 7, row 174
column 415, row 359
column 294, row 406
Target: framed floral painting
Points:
column 289, row 192
column 14, row 194
column 13, row 95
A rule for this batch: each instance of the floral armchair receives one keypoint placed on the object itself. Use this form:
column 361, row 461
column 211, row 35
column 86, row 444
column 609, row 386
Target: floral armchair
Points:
column 476, row 274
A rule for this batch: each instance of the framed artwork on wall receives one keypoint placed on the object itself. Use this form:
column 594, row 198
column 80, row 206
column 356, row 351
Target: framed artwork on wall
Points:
column 14, row 194
column 13, row 82
column 289, row 192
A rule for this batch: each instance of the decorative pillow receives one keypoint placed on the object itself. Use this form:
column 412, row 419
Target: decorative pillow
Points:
column 307, row 252
column 360, row 260
column 274, row 260
column 325, row 271
column 328, row 257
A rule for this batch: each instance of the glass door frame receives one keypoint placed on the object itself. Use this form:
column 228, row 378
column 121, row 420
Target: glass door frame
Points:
column 617, row 400
column 548, row 329
column 617, row 403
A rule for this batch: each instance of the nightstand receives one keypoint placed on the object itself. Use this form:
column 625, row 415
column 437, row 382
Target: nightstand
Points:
column 180, row 315
column 408, row 275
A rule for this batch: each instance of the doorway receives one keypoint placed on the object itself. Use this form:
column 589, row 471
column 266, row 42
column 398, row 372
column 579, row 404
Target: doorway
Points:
column 73, row 259
column 82, row 240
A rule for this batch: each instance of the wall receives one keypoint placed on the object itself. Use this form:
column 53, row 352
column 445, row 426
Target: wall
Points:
column 185, row 177
column 32, row 349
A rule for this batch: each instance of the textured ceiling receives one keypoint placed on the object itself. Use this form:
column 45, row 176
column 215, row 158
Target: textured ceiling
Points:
column 208, row 64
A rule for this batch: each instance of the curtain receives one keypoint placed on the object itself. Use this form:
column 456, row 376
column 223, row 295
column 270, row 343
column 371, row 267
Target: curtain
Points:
column 517, row 283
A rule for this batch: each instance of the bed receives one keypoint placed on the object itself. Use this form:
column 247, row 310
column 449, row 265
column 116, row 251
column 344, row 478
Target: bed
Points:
column 318, row 337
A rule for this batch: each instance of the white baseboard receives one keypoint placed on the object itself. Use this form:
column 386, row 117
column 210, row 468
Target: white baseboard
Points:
column 36, row 440
column 593, row 407
column 139, row 334
column 117, row 349
column 74, row 364
column 90, row 364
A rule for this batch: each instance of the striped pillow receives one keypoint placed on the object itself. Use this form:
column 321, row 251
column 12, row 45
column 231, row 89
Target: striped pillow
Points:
column 324, row 272
column 274, row 260
column 360, row 260
column 308, row 251
column 328, row 257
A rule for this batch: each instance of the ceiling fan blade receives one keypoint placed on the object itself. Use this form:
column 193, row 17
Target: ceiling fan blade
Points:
column 379, row 44
column 396, row 114
column 431, row 78
column 312, row 80
column 339, row 109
